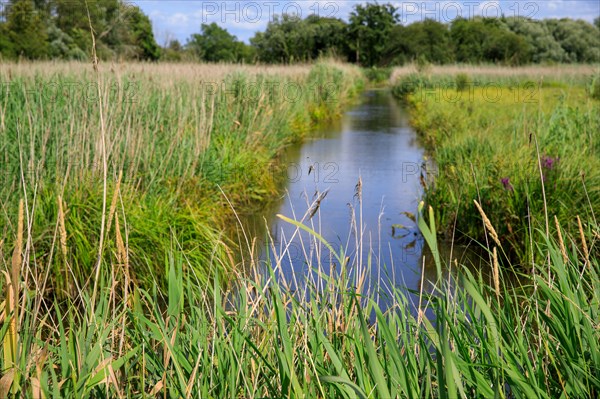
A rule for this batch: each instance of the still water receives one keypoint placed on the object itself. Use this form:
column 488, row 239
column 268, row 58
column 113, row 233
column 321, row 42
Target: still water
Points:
column 372, row 141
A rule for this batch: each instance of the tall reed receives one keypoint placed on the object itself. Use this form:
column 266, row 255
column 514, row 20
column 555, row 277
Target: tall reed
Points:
column 325, row 337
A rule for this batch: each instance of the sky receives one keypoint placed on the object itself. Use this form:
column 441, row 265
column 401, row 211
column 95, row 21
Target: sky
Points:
column 176, row 19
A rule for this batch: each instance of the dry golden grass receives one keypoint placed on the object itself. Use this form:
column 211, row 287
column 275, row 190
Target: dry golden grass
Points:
column 584, row 246
column 561, row 241
column 488, row 225
column 529, row 71
column 159, row 73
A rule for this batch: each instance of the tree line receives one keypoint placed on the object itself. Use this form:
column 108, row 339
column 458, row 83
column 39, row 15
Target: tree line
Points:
column 372, row 36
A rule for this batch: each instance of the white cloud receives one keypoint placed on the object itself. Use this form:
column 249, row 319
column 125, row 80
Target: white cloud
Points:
column 178, row 19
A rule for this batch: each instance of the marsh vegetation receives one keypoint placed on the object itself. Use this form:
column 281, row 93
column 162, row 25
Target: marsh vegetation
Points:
column 120, row 279
column 127, row 269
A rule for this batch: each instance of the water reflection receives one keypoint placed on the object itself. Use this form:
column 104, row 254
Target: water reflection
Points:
column 375, row 142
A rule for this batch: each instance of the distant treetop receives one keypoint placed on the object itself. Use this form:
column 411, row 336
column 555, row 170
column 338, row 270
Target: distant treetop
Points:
column 373, row 36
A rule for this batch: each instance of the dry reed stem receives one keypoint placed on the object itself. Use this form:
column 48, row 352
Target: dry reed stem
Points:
column 358, row 189
column 488, row 224
column 561, row 242
column 12, row 295
column 18, row 251
column 162, row 75
column 586, row 253
column 122, row 256
column 38, row 357
column 102, row 146
column 62, row 228
column 496, row 273
column 113, row 204
column 123, row 262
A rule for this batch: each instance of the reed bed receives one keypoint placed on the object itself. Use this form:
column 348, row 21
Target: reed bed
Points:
column 161, row 148
column 118, row 279
column 164, row 70
column 559, row 72
column 527, row 151
column 267, row 336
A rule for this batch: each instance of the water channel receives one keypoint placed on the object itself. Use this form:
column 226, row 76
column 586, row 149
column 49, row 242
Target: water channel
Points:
column 373, row 141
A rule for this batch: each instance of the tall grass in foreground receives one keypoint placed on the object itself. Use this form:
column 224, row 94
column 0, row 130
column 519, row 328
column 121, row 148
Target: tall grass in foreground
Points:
column 327, row 338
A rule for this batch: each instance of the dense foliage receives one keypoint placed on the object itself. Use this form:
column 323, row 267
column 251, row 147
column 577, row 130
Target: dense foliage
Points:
column 289, row 39
column 372, row 36
column 215, row 44
column 49, row 29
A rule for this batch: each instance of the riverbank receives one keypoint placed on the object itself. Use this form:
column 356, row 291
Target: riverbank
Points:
column 330, row 339
column 164, row 153
column 523, row 146
column 257, row 336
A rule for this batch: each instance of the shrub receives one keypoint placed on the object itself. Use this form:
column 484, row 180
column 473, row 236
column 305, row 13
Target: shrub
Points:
column 422, row 63
column 462, row 81
column 409, row 84
column 378, row 75
column 595, row 88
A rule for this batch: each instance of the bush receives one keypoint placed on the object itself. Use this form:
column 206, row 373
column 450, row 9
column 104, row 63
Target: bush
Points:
column 422, row 64
column 595, row 88
column 462, row 81
column 378, row 75
column 409, row 84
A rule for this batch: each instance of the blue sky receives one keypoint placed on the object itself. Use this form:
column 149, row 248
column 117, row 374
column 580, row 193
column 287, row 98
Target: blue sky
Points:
column 176, row 19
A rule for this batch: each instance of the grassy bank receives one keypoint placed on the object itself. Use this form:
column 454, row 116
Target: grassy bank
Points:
column 327, row 339
column 149, row 323
column 522, row 142
column 158, row 151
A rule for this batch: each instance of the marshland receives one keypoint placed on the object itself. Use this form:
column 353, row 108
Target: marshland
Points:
column 302, row 216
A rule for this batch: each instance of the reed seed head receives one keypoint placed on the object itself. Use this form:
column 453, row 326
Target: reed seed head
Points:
column 561, row 242
column 584, row 246
column 488, row 224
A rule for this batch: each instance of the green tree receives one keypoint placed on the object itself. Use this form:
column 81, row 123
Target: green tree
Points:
column 285, row 40
column 488, row 39
column 369, row 30
column 579, row 39
column 107, row 21
column 245, row 53
column 328, row 36
column 506, row 47
column 6, row 46
column 173, row 52
column 398, row 49
column 544, row 48
column 62, row 45
column 290, row 39
column 469, row 37
column 214, row 44
column 428, row 40
column 24, row 33
column 142, row 37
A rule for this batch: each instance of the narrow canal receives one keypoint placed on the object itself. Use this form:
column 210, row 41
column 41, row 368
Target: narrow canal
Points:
column 372, row 142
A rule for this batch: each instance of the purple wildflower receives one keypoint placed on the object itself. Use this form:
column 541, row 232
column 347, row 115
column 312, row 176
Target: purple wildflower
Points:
column 506, row 183
column 548, row 162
